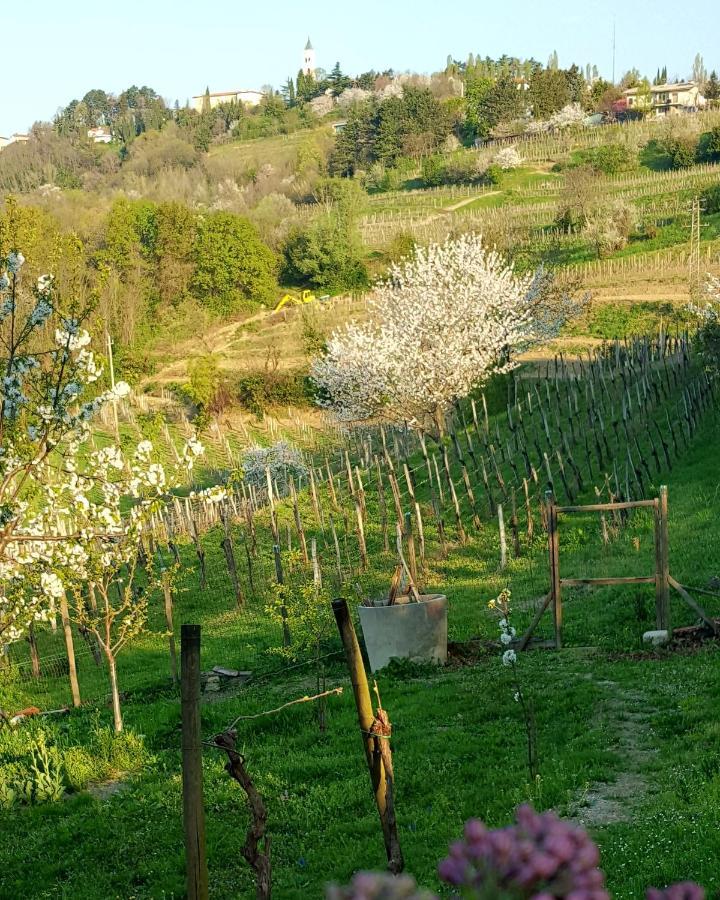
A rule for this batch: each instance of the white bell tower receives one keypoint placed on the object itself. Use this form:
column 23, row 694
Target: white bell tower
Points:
column 308, row 65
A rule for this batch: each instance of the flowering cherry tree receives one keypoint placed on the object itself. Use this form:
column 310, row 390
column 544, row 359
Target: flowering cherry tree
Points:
column 61, row 524
column 508, row 158
column 442, row 323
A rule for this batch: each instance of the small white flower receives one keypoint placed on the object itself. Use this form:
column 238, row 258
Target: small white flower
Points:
column 121, row 389
column 505, row 637
column 44, row 283
column 516, row 696
column 509, row 657
column 4, row 282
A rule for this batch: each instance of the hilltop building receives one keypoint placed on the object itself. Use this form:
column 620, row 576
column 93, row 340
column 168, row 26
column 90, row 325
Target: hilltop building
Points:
column 246, row 97
column 308, row 66
column 13, row 139
column 101, row 134
column 680, row 96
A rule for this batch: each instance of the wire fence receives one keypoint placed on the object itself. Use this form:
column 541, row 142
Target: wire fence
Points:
column 603, row 426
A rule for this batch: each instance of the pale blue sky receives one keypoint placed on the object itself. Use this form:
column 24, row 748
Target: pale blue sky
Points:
column 54, row 50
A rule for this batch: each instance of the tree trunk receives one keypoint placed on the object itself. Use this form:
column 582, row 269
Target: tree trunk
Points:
column 70, row 649
column 112, row 669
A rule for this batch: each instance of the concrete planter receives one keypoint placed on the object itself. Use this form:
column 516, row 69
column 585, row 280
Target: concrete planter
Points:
column 416, row 631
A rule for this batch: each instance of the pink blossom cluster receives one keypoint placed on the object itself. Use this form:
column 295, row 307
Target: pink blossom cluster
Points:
column 540, row 857
column 379, row 886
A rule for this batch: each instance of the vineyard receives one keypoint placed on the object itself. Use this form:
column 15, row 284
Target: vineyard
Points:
column 468, row 515
column 195, row 684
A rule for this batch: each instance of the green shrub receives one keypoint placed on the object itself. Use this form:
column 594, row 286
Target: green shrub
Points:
column 434, row 170
column 608, row 158
column 324, row 255
column 233, row 268
column 80, row 768
column 711, row 198
column 401, row 246
column 709, row 145
column 493, row 174
column 262, row 391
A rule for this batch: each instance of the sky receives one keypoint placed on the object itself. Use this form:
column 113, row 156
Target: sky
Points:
column 56, row 51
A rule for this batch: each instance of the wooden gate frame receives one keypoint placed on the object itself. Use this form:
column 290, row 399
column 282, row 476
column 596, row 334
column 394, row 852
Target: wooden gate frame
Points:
column 661, row 577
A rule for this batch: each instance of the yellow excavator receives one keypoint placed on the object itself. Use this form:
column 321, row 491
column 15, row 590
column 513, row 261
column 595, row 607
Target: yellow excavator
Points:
column 294, row 300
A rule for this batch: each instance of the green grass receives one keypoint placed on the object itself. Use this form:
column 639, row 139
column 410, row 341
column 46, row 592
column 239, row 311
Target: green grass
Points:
column 459, row 741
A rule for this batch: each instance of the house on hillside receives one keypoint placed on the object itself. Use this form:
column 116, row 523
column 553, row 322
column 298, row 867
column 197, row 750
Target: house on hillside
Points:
column 246, row 97
column 13, row 139
column 661, row 99
column 101, row 134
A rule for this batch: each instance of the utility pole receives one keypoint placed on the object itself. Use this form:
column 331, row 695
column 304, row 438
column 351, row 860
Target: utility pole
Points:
column 694, row 276
column 613, row 71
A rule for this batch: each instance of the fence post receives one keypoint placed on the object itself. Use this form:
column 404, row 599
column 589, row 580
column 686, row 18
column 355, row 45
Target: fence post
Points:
column 192, row 774
column 366, row 719
column 662, row 563
column 167, row 594
column 280, row 578
column 503, row 539
column 554, row 556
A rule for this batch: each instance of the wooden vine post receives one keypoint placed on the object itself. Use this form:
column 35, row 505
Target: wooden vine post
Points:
column 192, row 773
column 167, row 595
column 380, row 776
column 662, row 563
column 554, row 556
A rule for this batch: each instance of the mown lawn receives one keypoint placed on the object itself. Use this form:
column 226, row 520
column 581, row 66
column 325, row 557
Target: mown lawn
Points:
column 606, row 708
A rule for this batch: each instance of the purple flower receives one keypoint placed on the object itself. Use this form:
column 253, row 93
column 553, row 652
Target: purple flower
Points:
column 683, row 890
column 539, row 858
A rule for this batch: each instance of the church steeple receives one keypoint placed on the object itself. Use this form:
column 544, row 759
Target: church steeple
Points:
column 308, row 66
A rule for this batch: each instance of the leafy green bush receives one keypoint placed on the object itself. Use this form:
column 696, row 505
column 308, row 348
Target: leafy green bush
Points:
column 401, row 246
column 709, row 145
column 260, row 392
column 40, row 762
column 682, row 151
column 233, row 268
column 608, row 158
column 324, row 255
column 711, row 198
column 493, row 174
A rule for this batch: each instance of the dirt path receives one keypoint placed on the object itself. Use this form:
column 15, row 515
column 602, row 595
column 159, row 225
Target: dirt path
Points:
column 626, row 715
column 217, row 339
column 468, row 200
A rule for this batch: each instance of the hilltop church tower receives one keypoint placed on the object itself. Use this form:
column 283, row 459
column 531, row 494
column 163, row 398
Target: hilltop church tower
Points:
column 308, row 66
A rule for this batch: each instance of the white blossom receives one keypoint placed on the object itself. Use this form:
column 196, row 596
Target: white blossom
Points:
column 509, row 657
column 51, row 585
column 441, row 324
column 508, row 158
column 75, row 527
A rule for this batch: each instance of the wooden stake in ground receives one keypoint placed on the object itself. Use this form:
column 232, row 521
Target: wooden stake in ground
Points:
column 192, row 774
column 662, row 566
column 554, row 558
column 167, row 594
column 378, row 774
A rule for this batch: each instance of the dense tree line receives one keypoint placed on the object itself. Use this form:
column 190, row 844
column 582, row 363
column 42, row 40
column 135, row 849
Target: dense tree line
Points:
column 385, row 130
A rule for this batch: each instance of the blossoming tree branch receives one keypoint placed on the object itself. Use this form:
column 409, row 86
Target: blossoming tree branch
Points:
column 61, row 522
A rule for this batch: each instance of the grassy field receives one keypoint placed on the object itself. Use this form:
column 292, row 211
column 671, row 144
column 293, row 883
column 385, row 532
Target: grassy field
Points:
column 628, row 737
